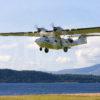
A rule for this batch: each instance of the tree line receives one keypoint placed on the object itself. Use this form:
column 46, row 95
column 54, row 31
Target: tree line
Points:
column 13, row 76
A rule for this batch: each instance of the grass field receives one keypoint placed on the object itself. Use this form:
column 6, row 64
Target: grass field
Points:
column 53, row 97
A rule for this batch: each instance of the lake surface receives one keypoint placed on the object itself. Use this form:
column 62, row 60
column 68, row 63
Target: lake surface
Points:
column 48, row 88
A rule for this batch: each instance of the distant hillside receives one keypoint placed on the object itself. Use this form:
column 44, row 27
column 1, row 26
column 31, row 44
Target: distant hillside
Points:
column 12, row 76
column 7, row 75
column 93, row 70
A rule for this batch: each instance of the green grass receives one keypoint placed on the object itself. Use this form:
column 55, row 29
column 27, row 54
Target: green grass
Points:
column 51, row 97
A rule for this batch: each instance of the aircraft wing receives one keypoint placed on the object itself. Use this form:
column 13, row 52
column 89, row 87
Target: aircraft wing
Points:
column 36, row 34
column 82, row 31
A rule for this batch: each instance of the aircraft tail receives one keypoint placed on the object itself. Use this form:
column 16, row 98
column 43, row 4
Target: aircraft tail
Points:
column 82, row 39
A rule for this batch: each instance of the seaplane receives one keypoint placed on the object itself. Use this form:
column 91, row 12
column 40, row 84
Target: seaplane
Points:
column 53, row 39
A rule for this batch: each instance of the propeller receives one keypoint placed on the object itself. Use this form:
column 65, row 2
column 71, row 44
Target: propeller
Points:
column 39, row 29
column 56, row 28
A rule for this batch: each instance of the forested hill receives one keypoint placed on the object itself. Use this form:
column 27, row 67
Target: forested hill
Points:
column 12, row 76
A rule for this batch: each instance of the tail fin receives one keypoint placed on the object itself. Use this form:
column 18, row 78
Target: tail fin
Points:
column 82, row 39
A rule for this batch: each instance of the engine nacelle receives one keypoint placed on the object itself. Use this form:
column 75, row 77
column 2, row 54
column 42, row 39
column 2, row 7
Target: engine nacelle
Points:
column 57, row 29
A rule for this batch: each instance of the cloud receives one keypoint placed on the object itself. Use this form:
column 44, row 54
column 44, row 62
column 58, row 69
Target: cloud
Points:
column 24, row 58
column 8, row 46
column 32, row 46
column 88, row 54
column 62, row 60
column 4, row 58
column 31, row 43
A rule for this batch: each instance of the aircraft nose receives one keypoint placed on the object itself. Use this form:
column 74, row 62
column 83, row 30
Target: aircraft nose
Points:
column 38, row 41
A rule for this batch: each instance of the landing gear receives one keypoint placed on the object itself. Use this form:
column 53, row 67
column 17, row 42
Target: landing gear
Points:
column 65, row 49
column 46, row 50
column 40, row 48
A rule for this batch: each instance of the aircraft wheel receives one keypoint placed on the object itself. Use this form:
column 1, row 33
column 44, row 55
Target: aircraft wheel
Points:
column 40, row 48
column 46, row 50
column 65, row 49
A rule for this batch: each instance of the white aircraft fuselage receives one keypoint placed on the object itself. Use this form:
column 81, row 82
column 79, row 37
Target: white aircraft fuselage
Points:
column 59, row 43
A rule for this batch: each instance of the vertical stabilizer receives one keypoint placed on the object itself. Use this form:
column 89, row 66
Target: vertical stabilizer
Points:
column 82, row 39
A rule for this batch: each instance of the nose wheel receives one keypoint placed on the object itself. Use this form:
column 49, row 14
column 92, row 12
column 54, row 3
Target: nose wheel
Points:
column 40, row 48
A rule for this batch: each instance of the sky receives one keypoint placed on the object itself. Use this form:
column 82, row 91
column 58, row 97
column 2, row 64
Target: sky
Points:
column 22, row 53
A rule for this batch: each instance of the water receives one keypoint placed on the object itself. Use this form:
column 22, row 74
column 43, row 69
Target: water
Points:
column 48, row 88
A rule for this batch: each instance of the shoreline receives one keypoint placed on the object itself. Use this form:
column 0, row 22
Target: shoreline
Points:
column 76, row 94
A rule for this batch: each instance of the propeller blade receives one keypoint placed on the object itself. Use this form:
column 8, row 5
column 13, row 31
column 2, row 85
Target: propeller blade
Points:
column 39, row 29
column 57, row 28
